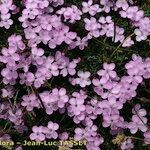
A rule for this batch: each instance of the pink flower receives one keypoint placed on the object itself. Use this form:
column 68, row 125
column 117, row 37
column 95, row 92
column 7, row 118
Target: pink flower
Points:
column 88, row 7
column 38, row 133
column 83, row 79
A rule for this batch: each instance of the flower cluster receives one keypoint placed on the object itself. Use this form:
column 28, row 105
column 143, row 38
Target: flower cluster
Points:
column 139, row 120
column 127, row 144
column 89, row 7
column 42, row 24
column 13, row 114
column 29, row 73
column 41, row 133
column 70, row 14
column 83, row 79
column 105, row 26
column 90, row 135
column 19, row 64
column 116, row 91
column 139, row 21
column 54, row 100
column 6, row 8
column 33, row 68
